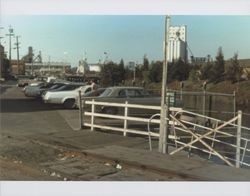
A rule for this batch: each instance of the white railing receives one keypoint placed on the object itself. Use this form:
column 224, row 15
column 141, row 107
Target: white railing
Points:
column 187, row 130
column 125, row 117
column 223, row 139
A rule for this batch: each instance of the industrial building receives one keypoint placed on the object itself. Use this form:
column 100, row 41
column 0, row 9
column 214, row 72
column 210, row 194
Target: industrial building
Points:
column 46, row 68
column 177, row 45
column 84, row 67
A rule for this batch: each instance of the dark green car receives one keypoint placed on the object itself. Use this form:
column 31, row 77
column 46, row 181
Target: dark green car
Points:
column 133, row 95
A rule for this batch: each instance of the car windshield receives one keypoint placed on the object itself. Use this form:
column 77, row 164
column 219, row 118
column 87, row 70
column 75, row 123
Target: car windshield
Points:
column 106, row 93
column 133, row 92
column 56, row 86
column 97, row 92
column 68, row 87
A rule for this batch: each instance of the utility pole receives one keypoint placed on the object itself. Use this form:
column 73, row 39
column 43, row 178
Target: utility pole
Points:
column 17, row 50
column 0, row 34
column 163, row 146
column 10, row 35
column 49, row 65
column 135, row 65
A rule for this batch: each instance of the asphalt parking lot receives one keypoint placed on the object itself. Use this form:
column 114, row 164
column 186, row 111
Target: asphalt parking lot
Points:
column 31, row 144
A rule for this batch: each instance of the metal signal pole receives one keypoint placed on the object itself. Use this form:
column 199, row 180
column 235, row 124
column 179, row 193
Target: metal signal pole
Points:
column 17, row 50
column 163, row 147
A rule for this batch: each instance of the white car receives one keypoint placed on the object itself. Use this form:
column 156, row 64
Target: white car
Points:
column 37, row 90
column 66, row 95
column 33, row 84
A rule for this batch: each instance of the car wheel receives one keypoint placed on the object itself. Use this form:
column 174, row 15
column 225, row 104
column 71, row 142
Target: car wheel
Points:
column 69, row 103
column 109, row 110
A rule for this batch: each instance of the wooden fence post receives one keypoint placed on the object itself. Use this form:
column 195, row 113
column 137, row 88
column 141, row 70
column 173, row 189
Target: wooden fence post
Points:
column 125, row 120
column 92, row 114
column 238, row 139
column 80, row 110
column 234, row 95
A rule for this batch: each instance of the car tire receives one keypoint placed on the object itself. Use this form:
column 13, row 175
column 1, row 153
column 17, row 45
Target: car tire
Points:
column 69, row 103
column 110, row 110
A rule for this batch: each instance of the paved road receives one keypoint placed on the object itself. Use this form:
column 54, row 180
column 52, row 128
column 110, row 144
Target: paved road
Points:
column 31, row 144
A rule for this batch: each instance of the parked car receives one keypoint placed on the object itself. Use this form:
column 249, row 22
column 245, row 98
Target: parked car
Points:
column 94, row 93
column 66, row 95
column 120, row 94
column 30, row 89
column 23, row 80
column 37, row 90
column 54, row 86
column 134, row 95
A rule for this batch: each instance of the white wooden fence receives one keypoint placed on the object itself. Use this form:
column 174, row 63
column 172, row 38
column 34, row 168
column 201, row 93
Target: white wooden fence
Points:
column 187, row 130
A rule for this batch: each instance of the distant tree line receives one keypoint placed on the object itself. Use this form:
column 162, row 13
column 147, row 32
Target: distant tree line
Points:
column 212, row 71
column 219, row 70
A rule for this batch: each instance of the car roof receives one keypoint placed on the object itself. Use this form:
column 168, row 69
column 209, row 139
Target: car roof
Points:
column 126, row 87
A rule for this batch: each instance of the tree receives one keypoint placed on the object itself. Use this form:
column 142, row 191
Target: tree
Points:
column 218, row 69
column 178, row 70
column 206, row 71
column 128, row 74
column 145, row 66
column 121, row 70
column 155, row 72
column 233, row 71
column 110, row 74
column 195, row 73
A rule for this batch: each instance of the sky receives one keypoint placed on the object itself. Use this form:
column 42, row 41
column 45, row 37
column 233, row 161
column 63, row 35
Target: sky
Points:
column 73, row 37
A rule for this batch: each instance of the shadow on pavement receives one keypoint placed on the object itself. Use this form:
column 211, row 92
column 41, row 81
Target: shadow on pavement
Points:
column 20, row 105
column 3, row 89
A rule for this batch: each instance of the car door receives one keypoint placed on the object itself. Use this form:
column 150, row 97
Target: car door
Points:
column 138, row 96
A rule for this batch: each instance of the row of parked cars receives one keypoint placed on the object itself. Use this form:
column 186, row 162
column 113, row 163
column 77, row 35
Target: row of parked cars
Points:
column 56, row 91
column 67, row 94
